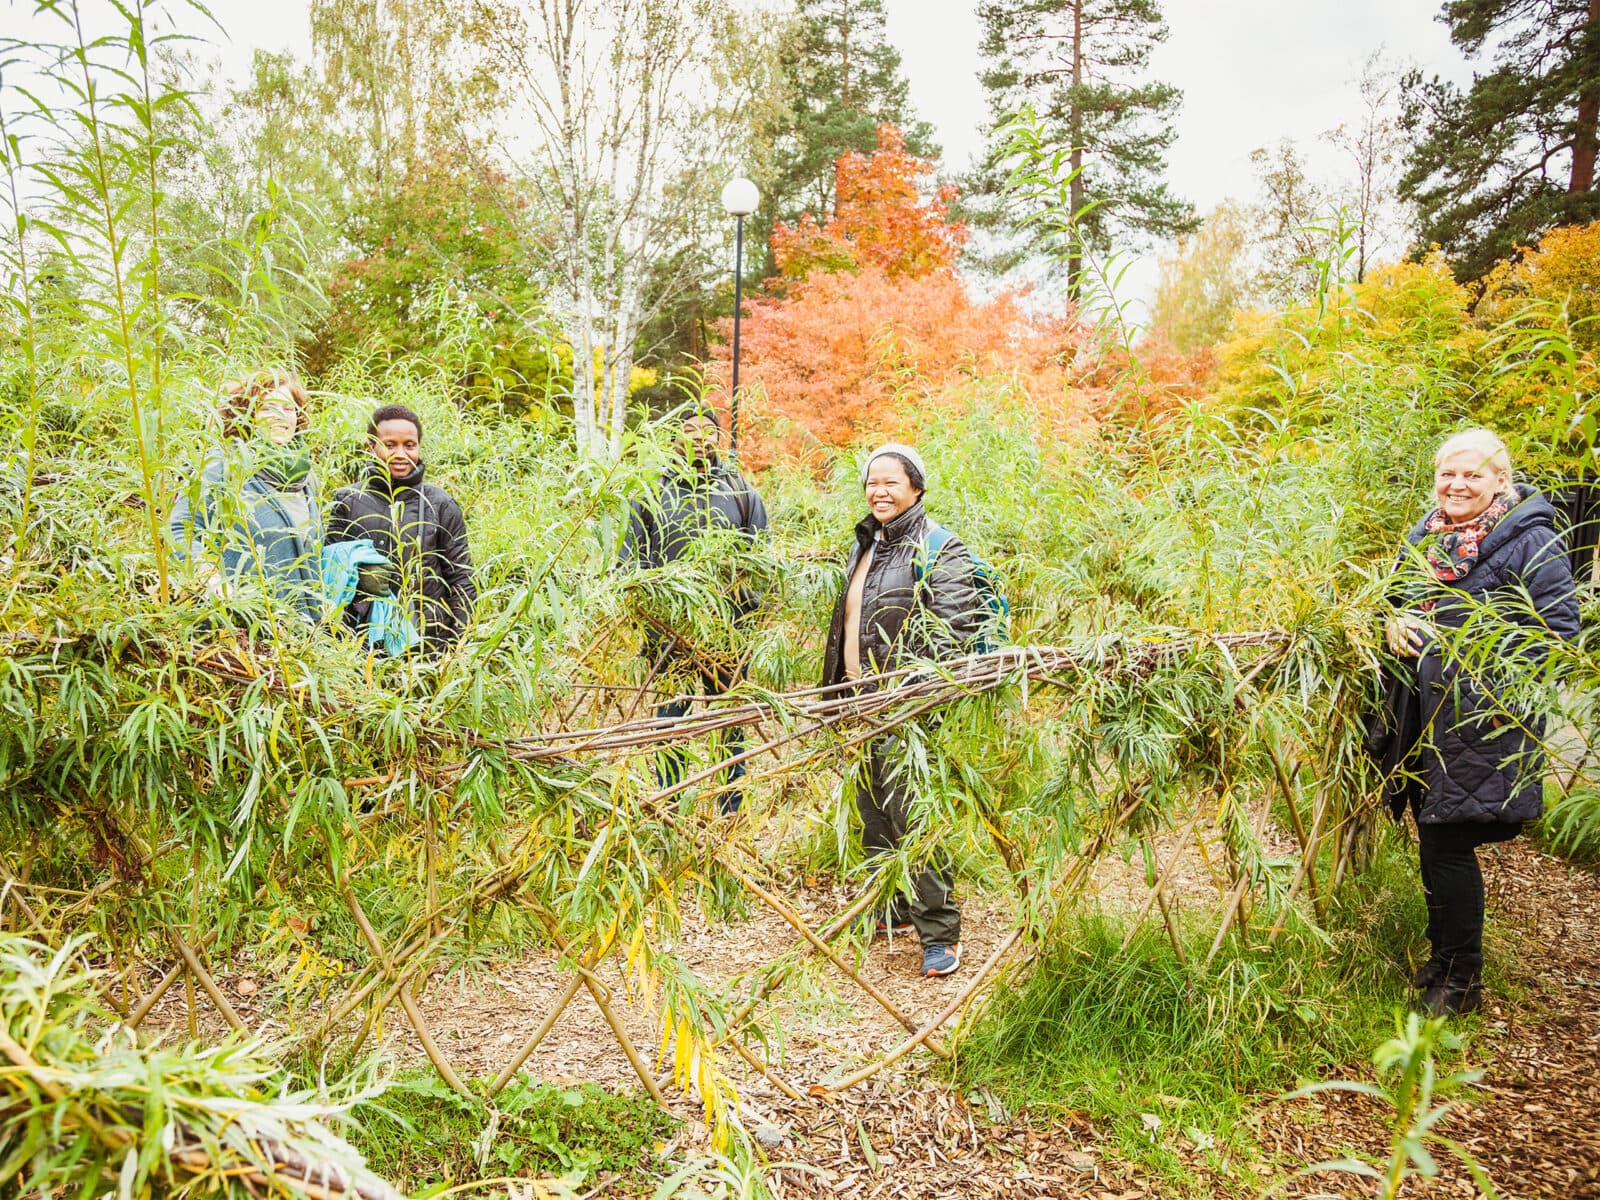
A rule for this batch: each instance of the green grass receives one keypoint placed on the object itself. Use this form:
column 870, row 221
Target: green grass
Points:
column 1138, row 1037
column 420, row 1134
column 1571, row 823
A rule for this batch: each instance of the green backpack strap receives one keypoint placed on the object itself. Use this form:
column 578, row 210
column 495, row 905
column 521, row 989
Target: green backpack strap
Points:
column 937, row 539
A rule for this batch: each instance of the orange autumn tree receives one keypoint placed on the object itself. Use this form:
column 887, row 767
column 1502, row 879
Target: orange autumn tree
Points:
column 880, row 219
column 870, row 318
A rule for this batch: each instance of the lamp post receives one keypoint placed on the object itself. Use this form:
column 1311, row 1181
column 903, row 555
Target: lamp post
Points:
column 739, row 198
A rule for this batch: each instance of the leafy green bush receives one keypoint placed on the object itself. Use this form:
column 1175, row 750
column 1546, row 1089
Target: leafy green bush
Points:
column 87, row 1110
column 420, row 1132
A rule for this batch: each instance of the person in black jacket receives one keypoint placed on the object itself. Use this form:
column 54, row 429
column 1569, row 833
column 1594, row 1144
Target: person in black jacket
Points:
column 416, row 525
column 900, row 605
column 1490, row 548
column 705, row 492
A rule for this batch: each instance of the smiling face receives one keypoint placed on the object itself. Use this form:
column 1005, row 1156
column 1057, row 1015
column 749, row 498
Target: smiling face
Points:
column 398, row 446
column 889, row 491
column 1465, row 484
column 277, row 417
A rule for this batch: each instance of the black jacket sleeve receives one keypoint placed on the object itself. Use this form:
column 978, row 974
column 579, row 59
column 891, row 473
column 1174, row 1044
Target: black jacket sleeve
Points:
column 1547, row 577
column 755, row 524
column 456, row 562
column 340, row 520
column 638, row 546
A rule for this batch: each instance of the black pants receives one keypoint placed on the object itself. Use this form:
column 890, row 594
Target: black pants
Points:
column 670, row 759
column 884, row 802
column 1452, row 880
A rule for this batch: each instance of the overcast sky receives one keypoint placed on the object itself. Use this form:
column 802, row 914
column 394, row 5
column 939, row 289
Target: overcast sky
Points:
column 1251, row 72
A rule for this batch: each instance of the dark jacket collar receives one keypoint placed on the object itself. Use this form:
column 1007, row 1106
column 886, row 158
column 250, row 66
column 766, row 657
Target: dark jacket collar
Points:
column 907, row 525
column 379, row 480
column 689, row 477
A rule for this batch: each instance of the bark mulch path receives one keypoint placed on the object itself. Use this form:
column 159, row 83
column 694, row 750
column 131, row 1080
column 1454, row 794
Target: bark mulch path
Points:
column 1534, row 1125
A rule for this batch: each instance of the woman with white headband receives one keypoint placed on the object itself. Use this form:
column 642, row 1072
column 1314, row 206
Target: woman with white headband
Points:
column 910, row 593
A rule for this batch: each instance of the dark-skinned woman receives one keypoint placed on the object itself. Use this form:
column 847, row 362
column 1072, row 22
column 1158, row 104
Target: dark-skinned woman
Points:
column 907, row 597
column 1490, row 548
column 415, row 524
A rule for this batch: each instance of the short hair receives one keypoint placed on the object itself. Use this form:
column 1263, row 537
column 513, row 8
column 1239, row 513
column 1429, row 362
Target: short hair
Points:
column 240, row 397
column 1484, row 442
column 392, row 412
column 698, row 408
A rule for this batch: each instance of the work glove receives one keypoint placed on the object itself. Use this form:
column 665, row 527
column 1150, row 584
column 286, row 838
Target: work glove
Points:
column 377, row 580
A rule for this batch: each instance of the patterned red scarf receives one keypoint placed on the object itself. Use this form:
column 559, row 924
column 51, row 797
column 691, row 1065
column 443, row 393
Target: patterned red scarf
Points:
column 1452, row 549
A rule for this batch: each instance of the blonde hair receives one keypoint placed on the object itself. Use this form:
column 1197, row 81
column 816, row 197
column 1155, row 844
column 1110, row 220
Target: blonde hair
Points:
column 240, row 397
column 1485, row 442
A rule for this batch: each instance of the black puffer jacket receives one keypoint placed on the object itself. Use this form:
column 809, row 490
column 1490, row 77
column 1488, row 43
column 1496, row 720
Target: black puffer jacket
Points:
column 1479, row 764
column 688, row 504
column 895, row 627
column 424, row 524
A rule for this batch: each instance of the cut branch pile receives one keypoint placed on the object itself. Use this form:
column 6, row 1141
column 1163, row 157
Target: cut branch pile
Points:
column 87, row 1112
column 839, row 718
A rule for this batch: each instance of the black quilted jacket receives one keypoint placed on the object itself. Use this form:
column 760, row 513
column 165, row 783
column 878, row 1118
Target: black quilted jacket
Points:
column 896, row 625
column 418, row 526
column 1481, row 763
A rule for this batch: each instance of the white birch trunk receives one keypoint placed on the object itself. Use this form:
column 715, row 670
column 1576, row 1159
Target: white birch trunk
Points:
column 621, row 93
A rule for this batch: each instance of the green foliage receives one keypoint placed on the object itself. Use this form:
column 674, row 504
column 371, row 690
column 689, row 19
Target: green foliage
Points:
column 421, row 1133
column 1204, row 284
column 89, row 1111
column 441, row 270
column 1419, row 1099
column 1482, row 168
column 1403, row 332
column 396, row 82
column 1571, row 823
column 1119, row 1031
column 1081, row 66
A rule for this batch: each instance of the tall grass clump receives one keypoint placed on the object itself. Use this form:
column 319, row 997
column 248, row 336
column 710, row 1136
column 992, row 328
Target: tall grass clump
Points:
column 1161, row 1044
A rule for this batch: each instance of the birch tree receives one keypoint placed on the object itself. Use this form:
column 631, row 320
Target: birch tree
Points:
column 634, row 118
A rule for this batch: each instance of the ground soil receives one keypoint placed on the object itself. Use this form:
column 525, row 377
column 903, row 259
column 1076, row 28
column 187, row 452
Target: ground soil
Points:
column 1534, row 1126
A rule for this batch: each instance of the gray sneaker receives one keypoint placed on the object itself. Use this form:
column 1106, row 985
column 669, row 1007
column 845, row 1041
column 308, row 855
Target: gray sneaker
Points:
column 940, row 960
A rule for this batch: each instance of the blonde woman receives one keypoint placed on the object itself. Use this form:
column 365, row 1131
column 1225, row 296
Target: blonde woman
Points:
column 1488, row 542
column 251, row 511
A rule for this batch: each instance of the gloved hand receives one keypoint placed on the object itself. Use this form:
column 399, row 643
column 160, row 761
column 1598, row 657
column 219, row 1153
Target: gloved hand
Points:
column 1406, row 634
column 377, row 580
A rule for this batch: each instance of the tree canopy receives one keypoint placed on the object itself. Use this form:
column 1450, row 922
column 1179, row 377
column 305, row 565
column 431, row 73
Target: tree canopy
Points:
column 1082, row 67
column 1495, row 165
column 841, row 79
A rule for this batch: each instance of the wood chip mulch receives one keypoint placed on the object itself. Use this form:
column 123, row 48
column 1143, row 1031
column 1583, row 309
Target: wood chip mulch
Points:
column 1534, row 1123
column 914, row 1137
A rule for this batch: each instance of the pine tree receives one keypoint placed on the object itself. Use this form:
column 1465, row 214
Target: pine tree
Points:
column 1494, row 166
column 843, row 80
column 1082, row 67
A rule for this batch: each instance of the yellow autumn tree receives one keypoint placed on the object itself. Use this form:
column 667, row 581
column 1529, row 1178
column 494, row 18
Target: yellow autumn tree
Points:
column 1563, row 270
column 1544, row 307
